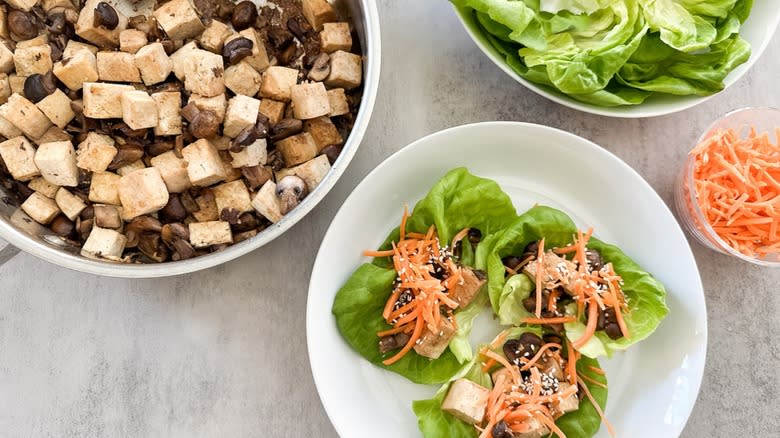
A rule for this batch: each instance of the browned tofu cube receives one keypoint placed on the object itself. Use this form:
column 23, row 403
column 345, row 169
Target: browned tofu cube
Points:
column 131, row 40
column 466, row 401
column 232, row 195
column 464, row 292
column 318, row 12
column 346, row 70
column 104, row 101
column 204, row 165
column 338, row 102
column 213, row 38
column 139, row 110
column 309, row 100
column 432, row 345
column 142, row 192
column 203, row 234
column 323, row 131
column 335, row 36
column 56, row 107
column 117, row 67
column 297, row 149
column 18, row 154
column 153, row 63
column 179, row 20
column 99, row 35
column 32, row 59
column 75, row 70
column 272, row 109
column 243, row 79
column 104, row 188
column 25, row 116
column 40, row 208
column 278, row 82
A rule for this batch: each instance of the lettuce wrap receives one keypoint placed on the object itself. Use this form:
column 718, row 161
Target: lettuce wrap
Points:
column 459, row 200
column 646, row 296
column 433, row 422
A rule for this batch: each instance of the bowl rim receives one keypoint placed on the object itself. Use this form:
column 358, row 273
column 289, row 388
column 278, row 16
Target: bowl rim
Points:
column 618, row 112
column 372, row 62
column 693, row 208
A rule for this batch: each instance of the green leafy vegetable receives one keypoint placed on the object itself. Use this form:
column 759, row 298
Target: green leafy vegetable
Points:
column 457, row 201
column 646, row 296
column 616, row 52
column 582, row 423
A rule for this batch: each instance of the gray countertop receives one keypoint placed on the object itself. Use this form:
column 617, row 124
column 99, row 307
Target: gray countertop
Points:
column 223, row 352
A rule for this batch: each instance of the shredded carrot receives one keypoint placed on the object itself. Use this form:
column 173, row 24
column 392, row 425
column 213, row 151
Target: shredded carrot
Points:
column 543, row 321
column 596, row 370
column 420, row 299
column 458, row 237
column 736, row 182
column 591, row 381
column 598, row 409
column 539, row 255
column 590, row 328
column 571, row 366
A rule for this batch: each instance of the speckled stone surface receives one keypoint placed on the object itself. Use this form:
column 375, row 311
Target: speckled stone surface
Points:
column 223, row 352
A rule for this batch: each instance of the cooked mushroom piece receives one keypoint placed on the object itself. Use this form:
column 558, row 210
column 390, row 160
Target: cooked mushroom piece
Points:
column 290, row 191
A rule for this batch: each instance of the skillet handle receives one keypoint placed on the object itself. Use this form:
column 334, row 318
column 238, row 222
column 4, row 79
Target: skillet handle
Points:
column 7, row 253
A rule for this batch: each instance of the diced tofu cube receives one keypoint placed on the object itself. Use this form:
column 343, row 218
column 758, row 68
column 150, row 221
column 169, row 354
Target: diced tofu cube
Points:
column 6, row 59
column 98, row 35
column 179, row 19
column 57, row 163
column 48, row 5
column 204, row 165
column 16, row 83
column 335, row 36
column 168, row 115
column 338, row 102
column 266, row 203
column 117, row 67
column 104, row 188
column 433, row 344
column 153, row 63
column 205, row 74
column 75, row 70
column 213, row 38
column 534, row 429
column 203, row 234
column 346, row 70
column 241, row 112
column 232, row 195
column 272, row 109
column 251, row 155
column 309, row 100
column 56, row 107
column 18, row 154
column 318, row 12
column 5, row 88
column 39, row 184
column 142, row 192
column 311, row 172
column 53, row 134
column 130, row 168
column 25, row 116
column 277, row 83
column 139, row 110
column 8, row 130
column 34, row 59
column 465, row 290
column 41, row 208
column 173, row 171
column 297, row 149
column 108, row 216
column 207, row 207
column 217, row 104
column 243, row 79
column 568, row 404
column 96, row 152
column 231, row 173
column 259, row 57
column 466, row 401
column 74, row 46
column 104, row 101
column 182, row 59
column 501, row 372
column 25, row 5
column 4, row 23
column 554, row 269
column 323, row 131
column 131, row 40
column 104, row 243
column 70, row 204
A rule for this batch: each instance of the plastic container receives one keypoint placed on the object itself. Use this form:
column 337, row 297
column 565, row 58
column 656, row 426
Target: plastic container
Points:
column 688, row 209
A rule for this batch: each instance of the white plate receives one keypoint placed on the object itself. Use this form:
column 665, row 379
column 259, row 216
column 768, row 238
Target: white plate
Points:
column 653, row 386
column 757, row 30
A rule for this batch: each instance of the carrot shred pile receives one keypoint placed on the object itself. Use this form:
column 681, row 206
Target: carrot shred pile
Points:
column 591, row 290
column 737, row 183
column 416, row 258
column 520, row 401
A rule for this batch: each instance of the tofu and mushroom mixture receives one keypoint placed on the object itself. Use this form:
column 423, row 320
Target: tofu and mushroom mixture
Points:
column 533, row 385
column 431, row 286
column 583, row 283
column 165, row 133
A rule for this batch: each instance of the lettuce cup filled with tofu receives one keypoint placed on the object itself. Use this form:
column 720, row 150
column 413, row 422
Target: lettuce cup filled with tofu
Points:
column 411, row 309
column 524, row 384
column 545, row 272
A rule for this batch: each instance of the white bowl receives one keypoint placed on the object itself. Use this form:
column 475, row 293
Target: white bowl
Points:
column 757, row 30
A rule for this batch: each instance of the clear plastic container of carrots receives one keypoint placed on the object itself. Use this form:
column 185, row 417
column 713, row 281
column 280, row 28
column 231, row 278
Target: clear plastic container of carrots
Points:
column 728, row 193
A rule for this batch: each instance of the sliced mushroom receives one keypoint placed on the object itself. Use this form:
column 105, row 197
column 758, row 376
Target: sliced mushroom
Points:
column 290, row 191
column 321, row 68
